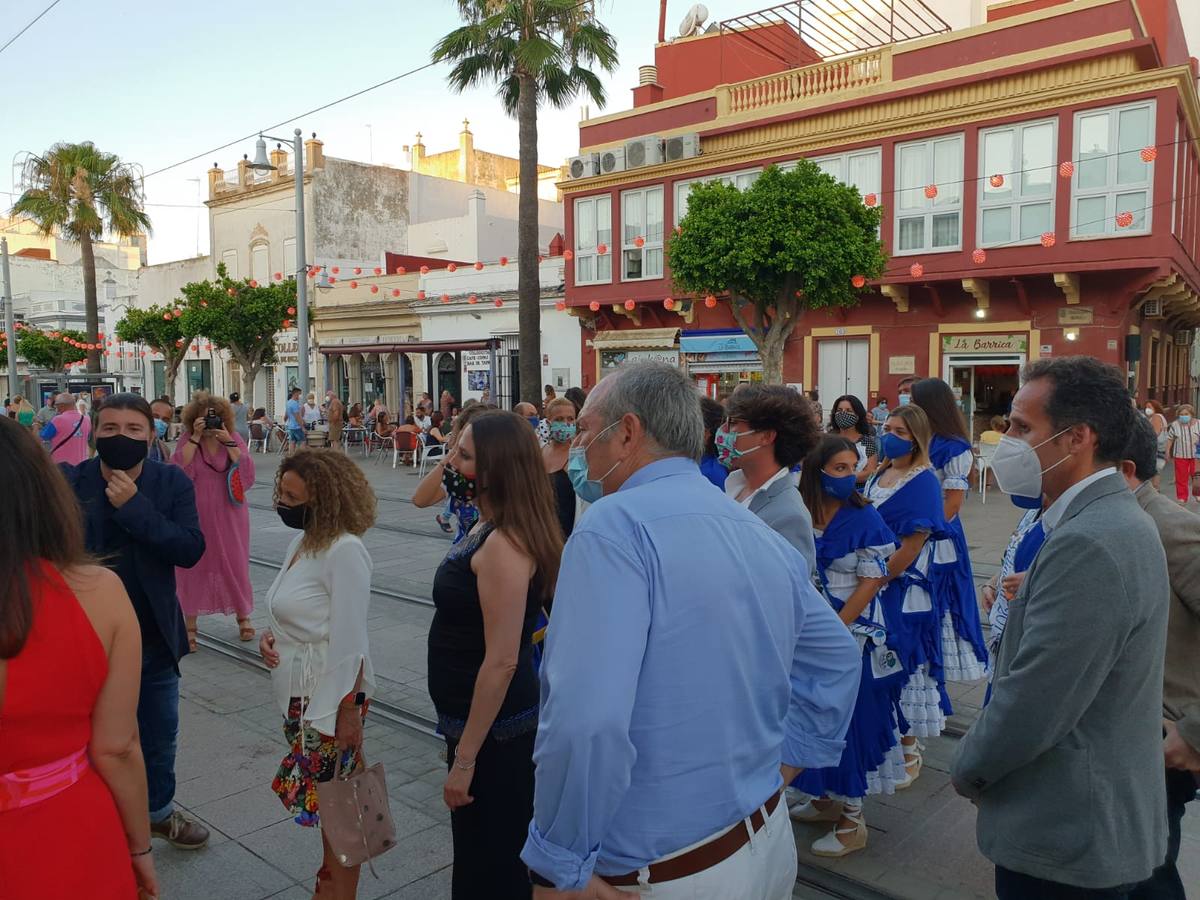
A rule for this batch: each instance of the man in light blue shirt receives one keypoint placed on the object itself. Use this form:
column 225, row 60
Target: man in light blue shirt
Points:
column 293, row 418
column 691, row 669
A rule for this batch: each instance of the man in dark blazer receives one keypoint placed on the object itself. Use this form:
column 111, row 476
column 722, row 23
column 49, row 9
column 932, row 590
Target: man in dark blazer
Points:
column 1065, row 762
column 140, row 519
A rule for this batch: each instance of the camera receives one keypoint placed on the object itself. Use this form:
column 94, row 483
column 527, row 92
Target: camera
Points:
column 212, row 421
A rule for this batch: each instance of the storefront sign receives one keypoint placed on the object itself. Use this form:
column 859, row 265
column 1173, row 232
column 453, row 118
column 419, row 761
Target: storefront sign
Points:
column 902, row 365
column 1075, row 315
column 614, row 359
column 286, row 351
column 1047, row 349
column 476, row 359
column 985, row 343
column 1112, row 345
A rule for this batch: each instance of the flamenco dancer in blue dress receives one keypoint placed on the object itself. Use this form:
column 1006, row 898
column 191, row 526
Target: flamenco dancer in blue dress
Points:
column 906, row 492
column 853, row 546
column 964, row 653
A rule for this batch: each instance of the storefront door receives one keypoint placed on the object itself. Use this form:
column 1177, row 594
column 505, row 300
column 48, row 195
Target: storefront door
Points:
column 843, row 367
column 984, row 386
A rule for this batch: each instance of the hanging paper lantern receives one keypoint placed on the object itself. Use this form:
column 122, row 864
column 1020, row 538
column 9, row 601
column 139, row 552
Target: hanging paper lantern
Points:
column 710, row 301
column 630, row 305
column 452, row 268
column 979, row 257
column 669, row 303
column 1066, row 169
column 473, row 299
column 568, row 255
column 395, row 292
column 332, row 280
column 358, row 270
column 353, row 285
column 504, row 260
column 279, row 276
column 445, row 298
column 335, row 270
column 312, row 273
column 996, row 181
column 231, row 292
column 931, row 191
column 858, row 281
column 143, row 354
column 871, row 200
column 1149, row 154
column 560, row 306
column 195, row 348
column 166, row 317
column 378, row 270
column 1048, row 238
column 424, row 270
column 916, row 270
column 253, row 283
column 374, row 289
column 498, row 303
column 287, row 323
column 1124, row 219
column 179, row 343
column 208, row 348
column 594, row 306
column 400, row 270
column 420, row 295
column 679, row 229
column 478, row 267
column 602, row 249
column 204, row 303
column 291, row 310
column 639, row 241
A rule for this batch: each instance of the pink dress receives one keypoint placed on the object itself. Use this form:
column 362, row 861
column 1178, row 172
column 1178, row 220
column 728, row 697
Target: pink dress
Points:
column 220, row 582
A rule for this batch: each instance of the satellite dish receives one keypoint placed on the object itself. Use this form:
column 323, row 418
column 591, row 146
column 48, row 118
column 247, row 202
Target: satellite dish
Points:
column 694, row 20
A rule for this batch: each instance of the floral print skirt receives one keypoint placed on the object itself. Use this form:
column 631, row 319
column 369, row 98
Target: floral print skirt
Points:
column 312, row 759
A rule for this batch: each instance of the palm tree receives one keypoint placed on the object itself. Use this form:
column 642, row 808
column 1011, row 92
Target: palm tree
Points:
column 80, row 193
column 536, row 51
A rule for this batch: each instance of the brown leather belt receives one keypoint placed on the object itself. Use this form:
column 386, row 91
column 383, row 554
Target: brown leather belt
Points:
column 703, row 857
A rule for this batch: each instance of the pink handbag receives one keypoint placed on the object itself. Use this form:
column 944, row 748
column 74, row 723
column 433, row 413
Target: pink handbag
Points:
column 355, row 816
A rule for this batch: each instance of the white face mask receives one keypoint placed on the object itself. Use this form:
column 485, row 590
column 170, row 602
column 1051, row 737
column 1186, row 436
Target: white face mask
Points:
column 1017, row 468
column 1149, row 410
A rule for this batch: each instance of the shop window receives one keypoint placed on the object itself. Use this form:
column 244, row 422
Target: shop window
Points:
column 593, row 227
column 929, row 223
column 739, row 180
column 230, row 258
column 198, row 373
column 1021, row 209
column 289, row 257
column 642, row 217
column 1110, row 175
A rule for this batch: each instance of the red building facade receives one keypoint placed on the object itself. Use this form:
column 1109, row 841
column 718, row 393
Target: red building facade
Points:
column 1058, row 141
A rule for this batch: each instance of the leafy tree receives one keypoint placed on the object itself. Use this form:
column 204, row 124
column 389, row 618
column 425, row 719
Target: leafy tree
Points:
column 792, row 242
column 537, row 51
column 43, row 350
column 79, row 192
column 242, row 317
column 165, row 330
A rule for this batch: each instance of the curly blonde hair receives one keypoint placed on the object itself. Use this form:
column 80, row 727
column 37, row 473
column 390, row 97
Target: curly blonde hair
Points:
column 340, row 499
column 200, row 402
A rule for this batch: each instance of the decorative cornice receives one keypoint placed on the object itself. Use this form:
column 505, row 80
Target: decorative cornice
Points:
column 1068, row 283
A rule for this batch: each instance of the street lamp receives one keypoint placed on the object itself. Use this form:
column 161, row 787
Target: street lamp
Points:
column 262, row 164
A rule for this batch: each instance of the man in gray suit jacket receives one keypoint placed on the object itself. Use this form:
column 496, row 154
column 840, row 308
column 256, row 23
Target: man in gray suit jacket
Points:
column 769, row 428
column 1065, row 762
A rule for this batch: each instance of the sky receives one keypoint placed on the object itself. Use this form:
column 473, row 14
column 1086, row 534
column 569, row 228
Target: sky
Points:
column 157, row 82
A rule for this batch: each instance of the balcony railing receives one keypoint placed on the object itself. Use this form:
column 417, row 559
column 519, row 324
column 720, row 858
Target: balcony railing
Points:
column 815, row 83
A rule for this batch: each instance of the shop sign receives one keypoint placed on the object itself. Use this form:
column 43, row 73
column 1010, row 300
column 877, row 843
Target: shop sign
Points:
column 1075, row 315
column 476, row 359
column 985, row 343
column 1047, row 349
column 902, row 365
column 287, row 351
column 614, row 359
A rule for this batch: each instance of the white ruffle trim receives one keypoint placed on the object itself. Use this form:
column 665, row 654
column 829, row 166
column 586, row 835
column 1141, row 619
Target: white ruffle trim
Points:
column 921, row 705
column 959, row 662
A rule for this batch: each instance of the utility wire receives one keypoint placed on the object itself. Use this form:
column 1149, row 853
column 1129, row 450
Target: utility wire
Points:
column 34, row 21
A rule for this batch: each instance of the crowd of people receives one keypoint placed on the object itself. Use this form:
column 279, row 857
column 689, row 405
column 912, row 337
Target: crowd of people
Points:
column 665, row 626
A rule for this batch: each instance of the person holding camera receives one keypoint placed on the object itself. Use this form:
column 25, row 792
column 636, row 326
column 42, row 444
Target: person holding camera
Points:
column 214, row 457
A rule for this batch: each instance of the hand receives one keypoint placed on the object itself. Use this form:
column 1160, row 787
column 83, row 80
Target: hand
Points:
column 220, row 434
column 458, row 783
column 266, row 649
column 1178, row 753
column 989, row 597
column 789, row 773
column 348, row 731
column 120, row 489
column 596, row 888
column 1011, row 585
column 198, row 427
column 146, row 877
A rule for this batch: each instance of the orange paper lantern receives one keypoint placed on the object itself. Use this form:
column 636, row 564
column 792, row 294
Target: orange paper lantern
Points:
column 332, row 280
column 931, row 191
column 253, row 283
column 445, row 298
column 374, row 289
column 358, row 270
column 630, row 305
column 424, row 270
column 979, row 257
column 710, row 301
column 602, row 249
column 1124, row 219
column 279, row 276
column 1048, row 239
column 1066, row 169
column 594, row 306
column 560, row 306
column 639, row 241
column 452, row 268
column 291, row 310
column 916, row 270
column 473, row 299
column 395, row 292
column 420, row 295
column 335, row 270
column 498, row 302
column 478, row 267
column 166, row 317
column 568, row 255
column 870, row 200
column 287, row 323
column 378, row 270
column 996, row 181
column 353, row 285
column 668, row 303
column 400, row 270
column 504, row 260
column 858, row 281
column 1149, row 154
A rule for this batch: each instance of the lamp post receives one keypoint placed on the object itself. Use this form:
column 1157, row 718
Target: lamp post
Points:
column 10, row 330
column 262, row 164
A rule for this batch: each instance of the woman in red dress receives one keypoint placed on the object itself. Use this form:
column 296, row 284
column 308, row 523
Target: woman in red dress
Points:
column 70, row 666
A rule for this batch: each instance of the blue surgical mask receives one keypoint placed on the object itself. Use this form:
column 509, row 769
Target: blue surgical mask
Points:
column 562, row 432
column 160, row 428
column 894, row 446
column 1185, row 418
column 726, row 442
column 1026, row 502
column 842, row 487
column 534, row 421
column 904, row 399
column 587, row 488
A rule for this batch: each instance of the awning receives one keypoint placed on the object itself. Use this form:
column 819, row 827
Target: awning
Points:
column 636, row 339
column 738, row 342
column 410, row 347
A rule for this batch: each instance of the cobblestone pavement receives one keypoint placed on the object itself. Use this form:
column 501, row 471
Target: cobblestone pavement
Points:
column 921, row 841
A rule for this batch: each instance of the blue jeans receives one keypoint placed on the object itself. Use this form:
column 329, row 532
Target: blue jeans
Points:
column 158, row 722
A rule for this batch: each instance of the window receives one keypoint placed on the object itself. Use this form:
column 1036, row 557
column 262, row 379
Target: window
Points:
column 158, row 370
column 199, row 375
column 593, row 227
column 1110, row 176
column 289, row 258
column 859, row 170
column 1021, row 209
column 230, row 258
column 923, row 223
column 642, row 217
column 260, row 263
column 739, row 180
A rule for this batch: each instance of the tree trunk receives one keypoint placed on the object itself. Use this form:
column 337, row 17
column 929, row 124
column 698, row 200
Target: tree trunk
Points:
column 87, row 261
column 529, row 289
column 170, row 373
column 770, row 339
column 772, row 361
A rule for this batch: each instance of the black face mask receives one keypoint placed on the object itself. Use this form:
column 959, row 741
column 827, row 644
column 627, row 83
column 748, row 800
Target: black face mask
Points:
column 293, row 516
column 845, row 419
column 458, row 485
column 118, row 451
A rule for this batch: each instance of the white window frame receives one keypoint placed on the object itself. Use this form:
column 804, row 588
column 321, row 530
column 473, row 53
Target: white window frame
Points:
column 261, row 251
column 740, row 180
column 1112, row 189
column 649, row 242
column 289, row 258
column 1012, row 171
column 876, row 185
column 228, row 256
column 587, row 250
column 929, row 209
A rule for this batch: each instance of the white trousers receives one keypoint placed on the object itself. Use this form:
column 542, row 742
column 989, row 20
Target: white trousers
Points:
column 763, row 869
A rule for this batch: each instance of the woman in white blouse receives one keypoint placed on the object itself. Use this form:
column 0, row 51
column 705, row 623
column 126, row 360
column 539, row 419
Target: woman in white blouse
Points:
column 316, row 645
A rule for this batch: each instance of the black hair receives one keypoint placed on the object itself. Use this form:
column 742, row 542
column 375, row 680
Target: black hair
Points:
column 936, row 398
column 1142, row 449
column 1087, row 392
column 576, row 396
column 235, row 397
column 136, row 402
column 811, row 489
column 714, row 415
column 859, row 410
column 294, row 390
column 778, row 408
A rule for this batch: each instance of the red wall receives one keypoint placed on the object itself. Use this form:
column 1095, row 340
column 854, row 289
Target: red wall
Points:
column 723, row 57
column 1163, row 24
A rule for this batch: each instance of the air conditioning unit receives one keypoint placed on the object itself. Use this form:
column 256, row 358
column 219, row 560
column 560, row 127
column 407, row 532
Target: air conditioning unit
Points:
column 647, row 151
column 683, row 146
column 583, row 166
column 1152, row 309
column 1184, row 338
column 612, row 160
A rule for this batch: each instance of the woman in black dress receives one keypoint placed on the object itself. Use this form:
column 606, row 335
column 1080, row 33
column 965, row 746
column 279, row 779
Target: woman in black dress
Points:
column 560, row 421
column 488, row 592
